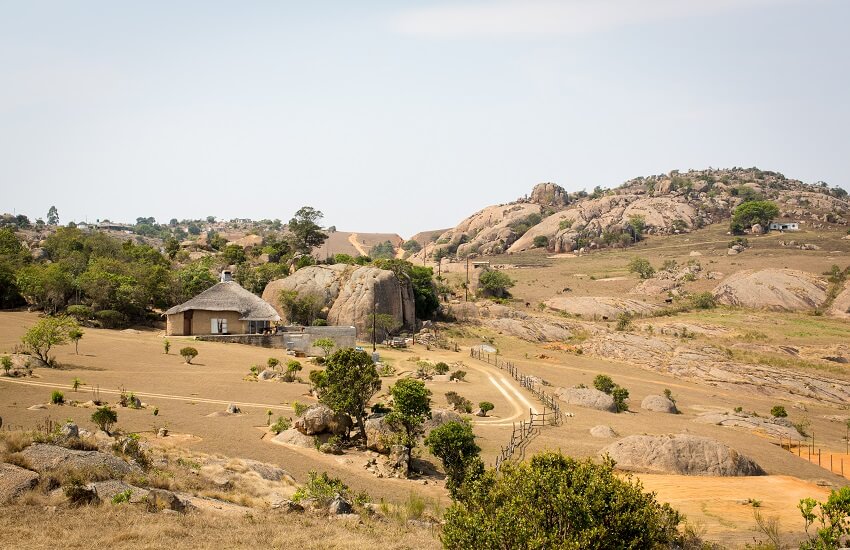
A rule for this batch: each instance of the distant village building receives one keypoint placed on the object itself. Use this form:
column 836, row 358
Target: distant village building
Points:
column 112, row 226
column 224, row 308
column 784, row 226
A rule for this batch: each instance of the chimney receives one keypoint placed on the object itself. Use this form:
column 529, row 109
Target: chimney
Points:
column 226, row 276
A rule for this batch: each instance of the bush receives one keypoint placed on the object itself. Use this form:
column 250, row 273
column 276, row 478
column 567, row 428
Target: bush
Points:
column 703, row 300
column 495, row 283
column 281, row 424
column 109, row 318
column 541, row 241
column 299, row 407
column 642, row 267
column 833, row 518
column 454, row 444
column 604, row 383
column 486, row 407
column 441, row 368
column 458, row 402
column 57, row 398
column 458, row 375
column 553, row 501
column 104, row 418
column 80, row 312
column 322, row 488
column 620, row 395
column 778, row 411
column 188, row 354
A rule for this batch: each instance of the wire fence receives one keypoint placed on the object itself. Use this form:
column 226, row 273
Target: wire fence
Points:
column 522, row 434
column 531, row 383
column 806, row 449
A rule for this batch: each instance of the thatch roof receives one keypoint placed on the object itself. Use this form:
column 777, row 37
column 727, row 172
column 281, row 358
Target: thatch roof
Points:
column 229, row 296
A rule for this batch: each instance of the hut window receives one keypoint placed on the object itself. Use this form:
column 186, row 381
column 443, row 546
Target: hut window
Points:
column 218, row 326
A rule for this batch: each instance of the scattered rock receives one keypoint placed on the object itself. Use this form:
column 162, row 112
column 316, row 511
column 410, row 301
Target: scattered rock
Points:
column 162, row 432
column 69, row 429
column 319, row 418
column 775, row 427
column 659, row 403
column 602, row 431
column 587, row 397
column 44, row 458
column 599, row 307
column 288, row 507
column 339, row 506
column 267, row 375
column 233, row 409
column 106, row 490
column 14, row 480
column 775, row 289
column 160, row 499
column 681, row 454
column 38, row 407
column 399, row 461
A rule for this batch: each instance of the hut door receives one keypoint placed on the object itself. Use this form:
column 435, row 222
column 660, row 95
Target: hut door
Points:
column 187, row 323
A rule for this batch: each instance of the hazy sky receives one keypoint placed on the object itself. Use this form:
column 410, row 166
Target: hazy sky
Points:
column 404, row 116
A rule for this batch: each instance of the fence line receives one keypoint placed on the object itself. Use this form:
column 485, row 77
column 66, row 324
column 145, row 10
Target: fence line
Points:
column 806, row 450
column 530, row 383
column 522, row 434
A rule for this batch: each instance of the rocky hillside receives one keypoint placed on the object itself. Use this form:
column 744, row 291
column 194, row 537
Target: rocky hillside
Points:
column 676, row 202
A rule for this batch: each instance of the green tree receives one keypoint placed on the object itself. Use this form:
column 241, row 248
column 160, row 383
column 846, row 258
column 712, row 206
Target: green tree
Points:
column 832, row 518
column 604, row 383
column 6, row 362
column 495, row 283
column 350, row 381
column 384, row 324
column 642, row 267
column 75, row 335
column 298, row 308
column 750, row 213
column 384, row 250
column 486, row 407
column 53, row 216
column 454, row 444
column 553, row 501
column 104, row 418
column 411, row 407
column 411, row 246
column 166, row 346
column 305, row 229
column 636, row 226
column 47, row 287
column 172, row 247
column 188, row 353
column 47, row 333
column 541, row 241
column 325, row 344
column 778, row 411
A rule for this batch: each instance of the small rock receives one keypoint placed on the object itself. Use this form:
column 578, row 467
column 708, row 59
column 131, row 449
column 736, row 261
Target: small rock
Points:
column 659, row 403
column 14, row 480
column 160, row 499
column 162, row 432
column 602, row 431
column 69, row 429
column 38, row 407
column 339, row 506
column 233, row 409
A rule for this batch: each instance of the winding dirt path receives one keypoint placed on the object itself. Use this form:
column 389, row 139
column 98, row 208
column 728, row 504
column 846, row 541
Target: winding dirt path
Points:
column 357, row 246
column 511, row 392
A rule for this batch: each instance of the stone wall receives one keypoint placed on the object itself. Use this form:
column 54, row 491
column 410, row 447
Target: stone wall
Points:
column 294, row 339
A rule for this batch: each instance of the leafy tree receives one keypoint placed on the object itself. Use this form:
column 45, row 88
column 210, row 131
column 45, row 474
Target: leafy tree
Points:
column 384, row 323
column 47, row 287
column 233, row 254
column 454, row 444
column 300, row 308
column 425, row 296
column 350, row 381
column 104, row 418
column 604, row 383
column 411, row 246
column 553, row 501
column 411, row 406
column 620, row 395
column 486, row 407
column 193, row 229
column 832, row 518
column 166, row 346
column 57, row 397
column 47, row 333
column 53, row 216
column 172, row 247
column 750, row 213
column 636, row 226
column 541, row 241
column 188, row 353
column 6, row 362
column 778, row 411
column 13, row 257
column 704, row 300
column 495, row 283
column 343, row 259
column 75, row 335
column 642, row 267
column 384, row 250
column 194, row 279
column 305, row 229
column 325, row 344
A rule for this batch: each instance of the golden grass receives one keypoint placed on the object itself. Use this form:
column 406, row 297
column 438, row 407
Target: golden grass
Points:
column 108, row 525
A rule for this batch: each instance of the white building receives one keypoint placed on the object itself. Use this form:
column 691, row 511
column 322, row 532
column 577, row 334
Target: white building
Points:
column 784, row 226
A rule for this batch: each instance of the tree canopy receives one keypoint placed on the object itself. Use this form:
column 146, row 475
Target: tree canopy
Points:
column 350, row 381
column 753, row 212
column 305, row 229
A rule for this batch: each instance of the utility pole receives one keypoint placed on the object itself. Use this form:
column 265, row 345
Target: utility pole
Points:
column 374, row 318
column 466, row 290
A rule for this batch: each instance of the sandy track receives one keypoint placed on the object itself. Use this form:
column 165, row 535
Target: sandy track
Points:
column 357, row 246
column 510, row 390
column 190, row 399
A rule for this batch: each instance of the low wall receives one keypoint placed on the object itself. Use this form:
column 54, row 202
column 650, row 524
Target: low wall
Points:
column 297, row 339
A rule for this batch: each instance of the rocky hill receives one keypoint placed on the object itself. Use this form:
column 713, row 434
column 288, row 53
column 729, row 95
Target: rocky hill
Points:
column 676, row 202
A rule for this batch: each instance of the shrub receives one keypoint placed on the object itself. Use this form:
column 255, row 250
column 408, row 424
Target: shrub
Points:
column 80, row 312
column 669, row 395
column 322, row 488
column 188, row 354
column 109, row 318
column 6, row 362
column 486, row 407
column 166, row 346
column 122, row 497
column 459, row 375
column 541, row 241
column 620, row 395
column 604, row 383
column 57, row 397
column 833, row 518
column 553, row 501
column 458, row 402
column 454, row 444
column 441, row 368
column 703, row 300
column 280, row 425
column 273, row 362
column 299, row 407
column 778, row 411
column 624, row 321
column 642, row 267
column 104, row 418
column 495, row 283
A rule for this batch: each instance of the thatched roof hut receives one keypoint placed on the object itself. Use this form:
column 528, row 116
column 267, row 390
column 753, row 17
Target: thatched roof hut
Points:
column 224, row 308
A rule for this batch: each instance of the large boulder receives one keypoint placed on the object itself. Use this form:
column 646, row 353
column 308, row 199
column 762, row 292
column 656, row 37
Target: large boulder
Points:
column 438, row 418
column 774, row 289
column 347, row 294
column 14, row 480
column 318, row 419
column 603, row 431
column 298, row 439
column 44, row 458
column 659, row 403
column 107, row 490
column 598, row 307
column 587, row 397
column 549, row 194
column 381, row 435
column 681, row 454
